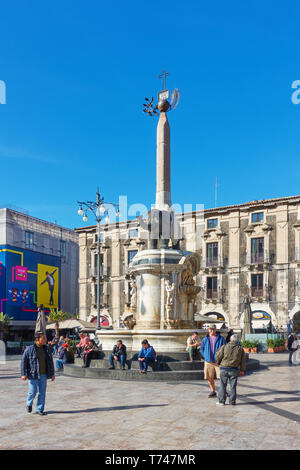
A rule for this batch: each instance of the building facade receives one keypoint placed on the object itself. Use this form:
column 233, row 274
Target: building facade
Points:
column 247, row 250
column 38, row 265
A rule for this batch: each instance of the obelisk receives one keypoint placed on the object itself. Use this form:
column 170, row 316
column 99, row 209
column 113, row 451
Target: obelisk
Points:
column 163, row 167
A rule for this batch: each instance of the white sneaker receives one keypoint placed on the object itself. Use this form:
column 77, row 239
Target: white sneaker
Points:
column 219, row 403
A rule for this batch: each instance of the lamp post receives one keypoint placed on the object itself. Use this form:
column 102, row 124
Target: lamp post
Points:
column 99, row 210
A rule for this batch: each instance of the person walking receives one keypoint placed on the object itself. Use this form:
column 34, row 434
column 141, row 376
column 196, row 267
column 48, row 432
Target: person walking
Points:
column 37, row 366
column 209, row 346
column 118, row 354
column 292, row 346
column 232, row 361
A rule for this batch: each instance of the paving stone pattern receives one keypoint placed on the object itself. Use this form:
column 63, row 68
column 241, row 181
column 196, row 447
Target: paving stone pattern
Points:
column 105, row 414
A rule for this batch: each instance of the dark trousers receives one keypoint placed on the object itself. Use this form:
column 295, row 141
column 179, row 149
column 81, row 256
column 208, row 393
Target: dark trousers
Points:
column 88, row 357
column 144, row 364
column 231, row 374
column 79, row 351
column 290, row 356
column 121, row 359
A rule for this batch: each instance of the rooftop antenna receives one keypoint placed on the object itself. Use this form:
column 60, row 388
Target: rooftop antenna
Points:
column 216, row 191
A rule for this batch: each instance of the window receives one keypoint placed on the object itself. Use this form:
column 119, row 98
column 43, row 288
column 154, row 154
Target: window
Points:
column 257, row 250
column 212, row 254
column 131, row 255
column 29, row 240
column 212, row 223
column 257, row 217
column 257, row 289
column 63, row 248
column 101, row 237
column 134, row 233
column 212, row 288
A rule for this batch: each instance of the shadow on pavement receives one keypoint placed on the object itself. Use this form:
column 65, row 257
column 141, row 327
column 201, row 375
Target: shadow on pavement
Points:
column 109, row 408
column 9, row 376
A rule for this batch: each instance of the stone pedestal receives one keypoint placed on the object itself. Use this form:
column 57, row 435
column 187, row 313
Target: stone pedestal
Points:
column 163, row 341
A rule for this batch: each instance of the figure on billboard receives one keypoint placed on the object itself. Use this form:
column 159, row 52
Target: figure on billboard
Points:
column 51, row 284
column 24, row 295
column 14, row 294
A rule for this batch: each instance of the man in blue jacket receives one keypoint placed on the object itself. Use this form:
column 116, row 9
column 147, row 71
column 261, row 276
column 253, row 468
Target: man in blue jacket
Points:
column 209, row 346
column 146, row 356
column 37, row 366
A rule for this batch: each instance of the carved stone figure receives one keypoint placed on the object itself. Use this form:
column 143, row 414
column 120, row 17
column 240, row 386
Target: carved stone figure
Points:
column 187, row 277
column 133, row 294
column 170, row 292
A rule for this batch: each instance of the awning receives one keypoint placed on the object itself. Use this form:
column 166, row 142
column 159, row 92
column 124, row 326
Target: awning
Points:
column 71, row 323
column 206, row 319
column 260, row 324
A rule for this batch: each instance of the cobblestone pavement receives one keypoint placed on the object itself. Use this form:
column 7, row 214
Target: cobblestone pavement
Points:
column 106, row 414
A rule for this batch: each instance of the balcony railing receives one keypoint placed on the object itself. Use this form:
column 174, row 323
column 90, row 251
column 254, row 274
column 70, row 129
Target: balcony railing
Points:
column 93, row 272
column 256, row 292
column 211, row 262
column 211, row 293
column 259, row 258
column 297, row 254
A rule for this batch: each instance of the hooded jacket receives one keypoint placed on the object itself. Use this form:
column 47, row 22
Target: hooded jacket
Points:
column 231, row 355
column 205, row 347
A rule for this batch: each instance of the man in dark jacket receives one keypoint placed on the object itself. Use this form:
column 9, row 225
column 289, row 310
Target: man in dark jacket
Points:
column 37, row 366
column 232, row 360
column 118, row 354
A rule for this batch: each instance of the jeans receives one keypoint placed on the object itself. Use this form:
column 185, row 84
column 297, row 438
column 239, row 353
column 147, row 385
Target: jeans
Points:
column 290, row 356
column 231, row 374
column 60, row 363
column 55, row 348
column 121, row 359
column 144, row 364
column 39, row 385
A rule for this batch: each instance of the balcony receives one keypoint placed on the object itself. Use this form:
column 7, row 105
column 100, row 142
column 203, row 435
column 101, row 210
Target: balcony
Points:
column 213, row 262
column 257, row 292
column 259, row 258
column 105, row 272
column 212, row 294
column 297, row 255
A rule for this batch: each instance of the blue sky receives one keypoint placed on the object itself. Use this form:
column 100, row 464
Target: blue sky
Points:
column 76, row 75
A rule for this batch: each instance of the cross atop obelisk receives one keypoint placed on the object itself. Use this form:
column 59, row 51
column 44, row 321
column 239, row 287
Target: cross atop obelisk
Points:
column 163, row 76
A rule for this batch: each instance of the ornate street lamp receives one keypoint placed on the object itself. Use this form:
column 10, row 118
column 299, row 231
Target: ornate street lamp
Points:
column 99, row 210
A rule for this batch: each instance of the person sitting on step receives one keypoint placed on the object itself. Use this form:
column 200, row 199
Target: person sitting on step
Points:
column 193, row 345
column 147, row 355
column 91, row 351
column 66, row 356
column 118, row 354
column 84, row 339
